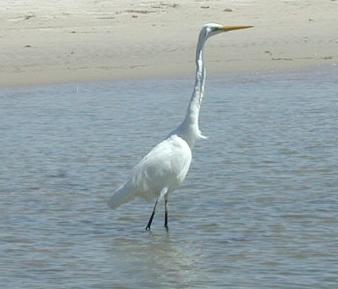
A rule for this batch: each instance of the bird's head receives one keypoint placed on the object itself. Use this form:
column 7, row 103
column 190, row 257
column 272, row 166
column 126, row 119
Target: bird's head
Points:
column 211, row 29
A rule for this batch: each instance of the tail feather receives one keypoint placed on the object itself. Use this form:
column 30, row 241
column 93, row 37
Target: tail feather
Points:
column 122, row 195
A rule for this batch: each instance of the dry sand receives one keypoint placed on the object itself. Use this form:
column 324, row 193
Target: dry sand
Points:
column 59, row 41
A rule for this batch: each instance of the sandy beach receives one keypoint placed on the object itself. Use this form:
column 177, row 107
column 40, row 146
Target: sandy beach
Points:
column 80, row 40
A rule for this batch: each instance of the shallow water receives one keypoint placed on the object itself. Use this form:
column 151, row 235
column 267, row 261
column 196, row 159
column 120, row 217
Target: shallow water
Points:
column 259, row 208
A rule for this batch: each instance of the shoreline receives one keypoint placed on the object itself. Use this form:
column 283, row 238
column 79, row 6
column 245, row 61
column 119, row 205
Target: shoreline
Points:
column 232, row 76
column 98, row 40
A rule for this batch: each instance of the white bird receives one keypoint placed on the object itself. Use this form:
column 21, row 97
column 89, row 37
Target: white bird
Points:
column 165, row 167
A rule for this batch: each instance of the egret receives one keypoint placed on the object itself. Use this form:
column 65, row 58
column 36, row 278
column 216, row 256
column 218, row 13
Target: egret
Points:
column 165, row 167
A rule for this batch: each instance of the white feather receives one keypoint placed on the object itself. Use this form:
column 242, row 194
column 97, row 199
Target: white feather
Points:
column 165, row 166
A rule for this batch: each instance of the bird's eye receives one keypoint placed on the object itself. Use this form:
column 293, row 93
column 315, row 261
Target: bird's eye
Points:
column 212, row 29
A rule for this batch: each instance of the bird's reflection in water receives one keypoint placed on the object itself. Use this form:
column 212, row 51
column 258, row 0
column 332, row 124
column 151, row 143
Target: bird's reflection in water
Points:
column 157, row 258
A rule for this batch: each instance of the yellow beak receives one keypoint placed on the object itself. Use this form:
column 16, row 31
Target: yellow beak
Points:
column 229, row 28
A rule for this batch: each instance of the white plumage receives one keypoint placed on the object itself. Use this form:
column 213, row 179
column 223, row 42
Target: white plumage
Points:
column 165, row 167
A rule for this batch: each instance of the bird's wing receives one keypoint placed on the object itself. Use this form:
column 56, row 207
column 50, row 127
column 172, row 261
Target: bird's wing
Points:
column 166, row 165
column 163, row 168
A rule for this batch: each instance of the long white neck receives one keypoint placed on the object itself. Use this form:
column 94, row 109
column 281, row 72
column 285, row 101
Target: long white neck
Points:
column 189, row 129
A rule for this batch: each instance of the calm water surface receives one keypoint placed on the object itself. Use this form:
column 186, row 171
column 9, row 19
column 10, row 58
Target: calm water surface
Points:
column 259, row 208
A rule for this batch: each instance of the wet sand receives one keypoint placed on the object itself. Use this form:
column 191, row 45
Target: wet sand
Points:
column 66, row 41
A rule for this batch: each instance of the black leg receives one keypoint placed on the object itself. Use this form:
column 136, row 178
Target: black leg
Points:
column 151, row 217
column 166, row 214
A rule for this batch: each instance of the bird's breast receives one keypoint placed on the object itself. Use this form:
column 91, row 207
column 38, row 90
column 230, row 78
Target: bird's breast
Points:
column 166, row 165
